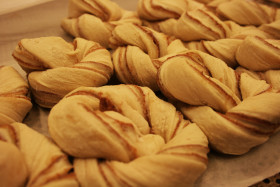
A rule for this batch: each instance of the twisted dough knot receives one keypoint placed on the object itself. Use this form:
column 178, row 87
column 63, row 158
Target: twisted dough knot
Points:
column 13, row 90
column 95, row 19
column 12, row 164
column 46, row 164
column 272, row 29
column 266, row 31
column 136, row 60
column 155, row 10
column 106, row 10
column 248, row 12
column 58, row 67
column 259, row 54
column 197, row 24
column 253, row 52
column 186, row 20
column 235, row 111
column 201, row 24
column 122, row 123
column 223, row 49
column 270, row 76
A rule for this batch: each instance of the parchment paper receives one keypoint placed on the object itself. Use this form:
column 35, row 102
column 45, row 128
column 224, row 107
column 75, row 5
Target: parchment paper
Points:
column 44, row 20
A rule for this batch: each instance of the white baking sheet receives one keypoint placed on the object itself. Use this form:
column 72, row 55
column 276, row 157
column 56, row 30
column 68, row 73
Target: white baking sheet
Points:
column 44, row 20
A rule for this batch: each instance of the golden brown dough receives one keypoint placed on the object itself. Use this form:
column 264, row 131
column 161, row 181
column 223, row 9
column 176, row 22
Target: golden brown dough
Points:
column 200, row 80
column 248, row 12
column 259, row 54
column 241, row 32
column 94, row 28
column 158, row 10
column 191, row 21
column 58, row 67
column 272, row 28
column 182, row 159
column 138, row 50
column 187, row 20
column 13, row 171
column 46, row 163
column 14, row 103
column 115, row 124
column 127, row 111
column 142, row 51
column 272, row 77
column 105, row 9
column 200, row 24
column 241, row 128
column 230, row 106
column 253, row 52
column 95, row 19
column 223, row 49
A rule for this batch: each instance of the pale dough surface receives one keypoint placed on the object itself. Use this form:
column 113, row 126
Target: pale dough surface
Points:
column 43, row 23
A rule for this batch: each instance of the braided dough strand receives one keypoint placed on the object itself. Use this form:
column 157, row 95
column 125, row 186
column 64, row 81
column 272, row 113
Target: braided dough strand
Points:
column 130, row 124
column 259, row 54
column 105, row 9
column 14, row 102
column 248, row 12
column 45, row 163
column 184, row 157
column 12, row 164
column 248, row 124
column 138, row 48
column 200, row 24
column 223, row 49
column 203, row 80
column 61, row 66
column 94, row 28
column 243, row 111
column 254, row 52
column 155, row 10
column 139, row 115
column 95, row 19
column 272, row 28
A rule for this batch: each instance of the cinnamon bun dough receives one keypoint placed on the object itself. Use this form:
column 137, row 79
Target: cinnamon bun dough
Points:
column 272, row 77
column 57, row 67
column 201, row 79
column 186, row 20
column 197, row 24
column 124, row 134
column 46, row 164
column 142, row 51
column 13, row 171
column 162, row 9
column 105, row 9
column 272, row 28
column 200, row 24
column 253, row 52
column 138, row 49
column 241, row 128
column 223, row 49
column 259, row 54
column 248, row 12
column 178, row 163
column 192, row 21
column 231, row 107
column 241, row 32
column 14, row 103
column 95, row 20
